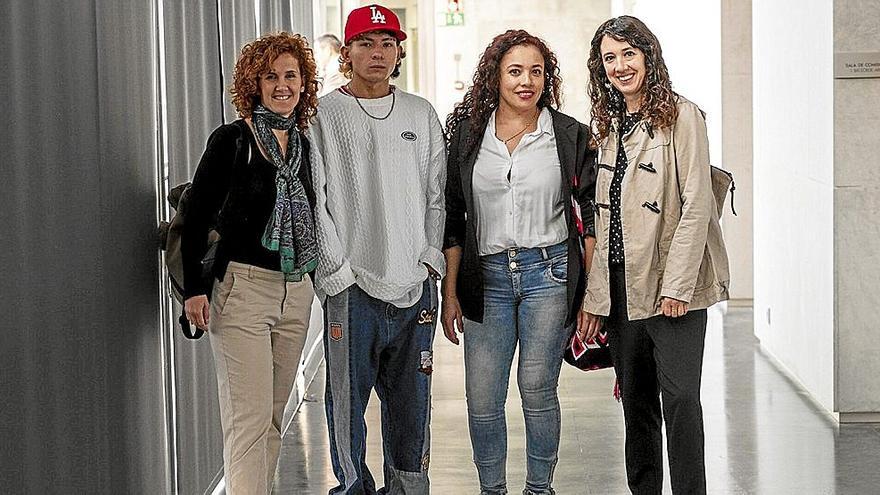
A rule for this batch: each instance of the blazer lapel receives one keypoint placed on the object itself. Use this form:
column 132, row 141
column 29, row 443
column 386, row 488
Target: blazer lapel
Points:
column 565, row 129
column 467, row 168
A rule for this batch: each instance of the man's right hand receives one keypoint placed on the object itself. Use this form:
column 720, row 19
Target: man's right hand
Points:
column 197, row 311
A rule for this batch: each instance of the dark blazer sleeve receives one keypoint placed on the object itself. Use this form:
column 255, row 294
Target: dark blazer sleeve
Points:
column 206, row 194
column 305, row 171
column 585, row 192
column 454, row 232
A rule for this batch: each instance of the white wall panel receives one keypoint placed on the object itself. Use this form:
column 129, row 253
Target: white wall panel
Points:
column 793, row 188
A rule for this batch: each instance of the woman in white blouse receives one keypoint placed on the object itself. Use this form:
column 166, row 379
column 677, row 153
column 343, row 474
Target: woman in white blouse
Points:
column 520, row 181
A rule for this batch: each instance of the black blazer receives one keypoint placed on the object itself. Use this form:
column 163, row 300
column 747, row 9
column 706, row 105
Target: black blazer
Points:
column 578, row 181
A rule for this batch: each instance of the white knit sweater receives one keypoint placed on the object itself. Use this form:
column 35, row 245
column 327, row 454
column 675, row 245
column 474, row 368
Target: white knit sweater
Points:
column 379, row 186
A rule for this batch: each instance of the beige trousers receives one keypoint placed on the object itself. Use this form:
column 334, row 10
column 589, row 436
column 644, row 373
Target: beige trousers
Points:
column 257, row 330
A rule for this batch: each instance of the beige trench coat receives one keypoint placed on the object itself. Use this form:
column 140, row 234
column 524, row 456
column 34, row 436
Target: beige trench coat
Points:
column 671, row 236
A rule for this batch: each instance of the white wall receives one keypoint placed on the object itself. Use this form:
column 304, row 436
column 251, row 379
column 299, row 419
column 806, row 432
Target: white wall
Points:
column 793, row 188
column 690, row 35
column 566, row 25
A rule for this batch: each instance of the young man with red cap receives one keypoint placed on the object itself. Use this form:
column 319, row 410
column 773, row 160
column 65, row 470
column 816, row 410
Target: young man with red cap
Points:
column 379, row 167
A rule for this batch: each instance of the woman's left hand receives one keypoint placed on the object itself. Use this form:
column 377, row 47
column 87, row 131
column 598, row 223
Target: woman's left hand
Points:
column 451, row 318
column 588, row 325
column 673, row 308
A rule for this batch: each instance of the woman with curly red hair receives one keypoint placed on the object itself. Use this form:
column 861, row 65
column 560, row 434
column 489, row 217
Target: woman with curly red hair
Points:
column 253, row 186
column 660, row 259
column 513, row 246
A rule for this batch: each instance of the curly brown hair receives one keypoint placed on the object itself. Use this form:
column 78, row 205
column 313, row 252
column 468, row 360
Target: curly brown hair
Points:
column 256, row 59
column 481, row 99
column 345, row 63
column 658, row 108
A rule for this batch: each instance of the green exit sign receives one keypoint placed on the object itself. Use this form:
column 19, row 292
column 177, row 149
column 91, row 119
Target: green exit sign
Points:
column 455, row 18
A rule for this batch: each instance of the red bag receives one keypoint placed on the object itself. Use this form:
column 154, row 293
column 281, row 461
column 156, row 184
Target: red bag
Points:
column 594, row 354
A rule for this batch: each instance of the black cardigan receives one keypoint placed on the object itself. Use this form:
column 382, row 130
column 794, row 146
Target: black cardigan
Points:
column 250, row 185
column 578, row 167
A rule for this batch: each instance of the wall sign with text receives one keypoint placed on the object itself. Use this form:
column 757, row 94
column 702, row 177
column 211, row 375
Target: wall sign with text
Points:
column 853, row 65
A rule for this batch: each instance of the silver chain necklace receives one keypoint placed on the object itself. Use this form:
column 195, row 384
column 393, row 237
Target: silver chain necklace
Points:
column 358, row 100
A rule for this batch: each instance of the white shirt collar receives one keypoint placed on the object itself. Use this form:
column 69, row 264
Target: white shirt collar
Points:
column 545, row 124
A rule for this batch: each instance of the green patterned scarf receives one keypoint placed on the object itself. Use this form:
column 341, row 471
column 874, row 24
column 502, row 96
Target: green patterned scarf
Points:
column 291, row 228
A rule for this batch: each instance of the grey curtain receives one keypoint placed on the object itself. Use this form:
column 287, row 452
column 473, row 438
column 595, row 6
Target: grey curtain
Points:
column 284, row 15
column 80, row 354
column 194, row 107
column 237, row 27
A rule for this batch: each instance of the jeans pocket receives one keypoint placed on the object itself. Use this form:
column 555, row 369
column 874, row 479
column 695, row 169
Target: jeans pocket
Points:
column 557, row 269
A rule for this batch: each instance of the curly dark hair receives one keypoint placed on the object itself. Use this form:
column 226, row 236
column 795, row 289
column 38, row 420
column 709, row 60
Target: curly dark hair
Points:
column 345, row 63
column 256, row 59
column 658, row 108
column 481, row 99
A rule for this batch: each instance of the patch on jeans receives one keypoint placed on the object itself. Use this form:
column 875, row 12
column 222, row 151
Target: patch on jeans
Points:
column 426, row 362
column 427, row 316
column 426, row 460
column 336, row 331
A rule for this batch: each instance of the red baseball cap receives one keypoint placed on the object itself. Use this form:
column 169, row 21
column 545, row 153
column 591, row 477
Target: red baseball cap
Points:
column 372, row 18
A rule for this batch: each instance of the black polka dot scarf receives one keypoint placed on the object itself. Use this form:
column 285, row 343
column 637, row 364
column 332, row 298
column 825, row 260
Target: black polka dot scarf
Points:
column 615, row 248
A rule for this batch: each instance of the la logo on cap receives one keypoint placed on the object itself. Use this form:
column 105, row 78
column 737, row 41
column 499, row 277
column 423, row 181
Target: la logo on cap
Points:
column 372, row 18
column 377, row 17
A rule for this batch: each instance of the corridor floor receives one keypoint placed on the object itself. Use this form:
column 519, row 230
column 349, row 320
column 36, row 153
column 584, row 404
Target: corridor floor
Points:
column 764, row 435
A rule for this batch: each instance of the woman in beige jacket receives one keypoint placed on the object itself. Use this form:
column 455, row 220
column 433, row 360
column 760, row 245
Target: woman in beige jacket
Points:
column 660, row 259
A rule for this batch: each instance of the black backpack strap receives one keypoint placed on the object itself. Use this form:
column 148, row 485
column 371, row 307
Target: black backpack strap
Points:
column 732, row 188
column 187, row 329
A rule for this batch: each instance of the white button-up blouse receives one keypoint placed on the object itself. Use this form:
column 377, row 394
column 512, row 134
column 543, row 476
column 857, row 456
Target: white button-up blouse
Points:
column 518, row 197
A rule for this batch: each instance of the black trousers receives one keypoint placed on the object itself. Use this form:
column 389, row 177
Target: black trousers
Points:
column 653, row 357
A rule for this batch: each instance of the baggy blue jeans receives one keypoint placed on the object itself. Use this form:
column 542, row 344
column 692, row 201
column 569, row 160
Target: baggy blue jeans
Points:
column 525, row 304
column 371, row 343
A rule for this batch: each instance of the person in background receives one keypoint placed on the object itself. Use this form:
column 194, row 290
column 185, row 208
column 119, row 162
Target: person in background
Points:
column 379, row 174
column 514, row 248
column 258, row 316
column 660, row 259
column 327, row 47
